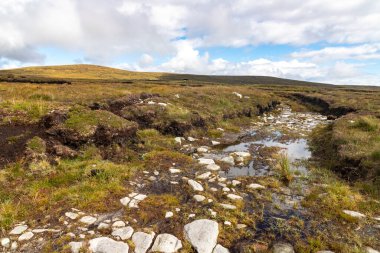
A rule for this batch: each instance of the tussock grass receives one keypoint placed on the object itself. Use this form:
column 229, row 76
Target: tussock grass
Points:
column 284, row 168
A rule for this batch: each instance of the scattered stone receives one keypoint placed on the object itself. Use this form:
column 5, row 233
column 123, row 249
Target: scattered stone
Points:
column 195, row 185
column 220, row 129
column 283, row 248
column 237, row 94
column 213, row 189
column 103, row 226
column 75, row 246
column 215, row 143
column 191, row 139
column 206, row 161
column 174, row 171
column 354, row 214
column 71, row 215
column 242, row 154
column 202, row 149
column 227, row 223
column 202, row 235
column 213, row 167
column 169, row 214
column 152, row 178
column 192, row 215
column 235, row 182
column 371, row 250
column 118, row 224
column 228, row 206
column 107, row 245
column 88, row 220
column 166, row 243
column 18, row 230
column 199, row 198
column 229, row 160
column 220, row 249
column 226, row 189
column 142, row 241
column 14, row 246
column 256, row 186
column 234, row 196
column 205, row 175
column 26, row 236
column 156, row 173
column 123, row 233
column 6, row 242
column 178, row 140
column 241, row 226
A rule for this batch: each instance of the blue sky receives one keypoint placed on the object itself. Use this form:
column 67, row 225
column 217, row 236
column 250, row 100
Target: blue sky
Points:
column 315, row 40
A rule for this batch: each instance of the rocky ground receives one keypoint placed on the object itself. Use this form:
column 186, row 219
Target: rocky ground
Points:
column 242, row 192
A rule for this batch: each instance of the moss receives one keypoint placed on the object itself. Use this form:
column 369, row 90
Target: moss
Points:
column 37, row 145
column 165, row 159
column 85, row 121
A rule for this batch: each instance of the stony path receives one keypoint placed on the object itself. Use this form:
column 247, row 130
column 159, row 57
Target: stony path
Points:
column 214, row 204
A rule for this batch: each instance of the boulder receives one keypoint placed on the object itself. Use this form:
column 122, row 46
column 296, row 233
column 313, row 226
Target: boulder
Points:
column 123, row 233
column 142, row 241
column 107, row 245
column 202, row 235
column 166, row 243
column 220, row 249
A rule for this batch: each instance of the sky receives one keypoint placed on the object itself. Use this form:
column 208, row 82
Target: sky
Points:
column 315, row 40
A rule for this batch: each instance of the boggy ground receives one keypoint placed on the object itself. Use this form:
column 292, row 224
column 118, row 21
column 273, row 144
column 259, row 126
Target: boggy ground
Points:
column 285, row 199
column 85, row 159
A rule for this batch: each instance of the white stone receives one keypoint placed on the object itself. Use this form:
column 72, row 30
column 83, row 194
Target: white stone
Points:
column 206, row 161
column 18, row 230
column 228, row 159
column 140, row 197
column 192, row 215
column 371, row 250
column 204, row 175
column 228, row 206
column 234, row 196
column 174, row 171
column 220, row 249
column 227, row 223
column 103, row 225
column 166, row 243
column 178, row 140
column 191, row 139
column 202, row 235
column 195, row 185
column 226, row 189
column 169, row 214
column 215, row 143
column 142, row 241
column 123, row 233
column 256, row 186
column 242, row 154
column 212, row 212
column 213, row 167
column 107, row 245
column 88, row 220
column 213, row 189
column 75, row 246
column 241, row 226
column 283, row 248
column 235, row 182
column 26, row 236
column 6, row 242
column 14, row 246
column 202, row 149
column 220, row 129
column 199, row 198
column 152, row 178
column 156, row 173
column 71, row 215
column 237, row 94
column 354, row 214
column 118, row 224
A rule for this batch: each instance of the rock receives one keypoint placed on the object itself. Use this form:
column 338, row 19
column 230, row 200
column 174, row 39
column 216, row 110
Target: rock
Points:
column 205, row 175
column 202, row 149
column 195, row 185
column 325, row 251
column 88, row 220
column 178, row 140
column 213, row 189
column 107, row 245
column 206, row 161
column 202, row 235
column 215, row 143
column 118, row 224
column 241, row 226
column 213, row 167
column 142, row 241
column 237, row 94
column 370, row 250
column 226, row 189
column 43, row 230
column 376, row 218
column 220, row 249
column 18, row 230
column 140, row 197
column 235, row 182
column 71, row 215
column 75, row 246
column 256, row 186
column 229, row 160
column 191, row 139
column 354, row 214
column 6, row 242
column 174, row 171
column 283, row 248
column 192, row 215
column 103, row 226
column 199, row 198
column 14, row 246
column 26, row 236
column 123, row 233
column 242, row 154
column 234, row 197
column 152, row 178
column 228, row 206
column 227, row 223
column 169, row 214
column 166, row 243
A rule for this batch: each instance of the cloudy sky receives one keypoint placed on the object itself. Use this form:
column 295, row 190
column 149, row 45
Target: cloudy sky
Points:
column 317, row 40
